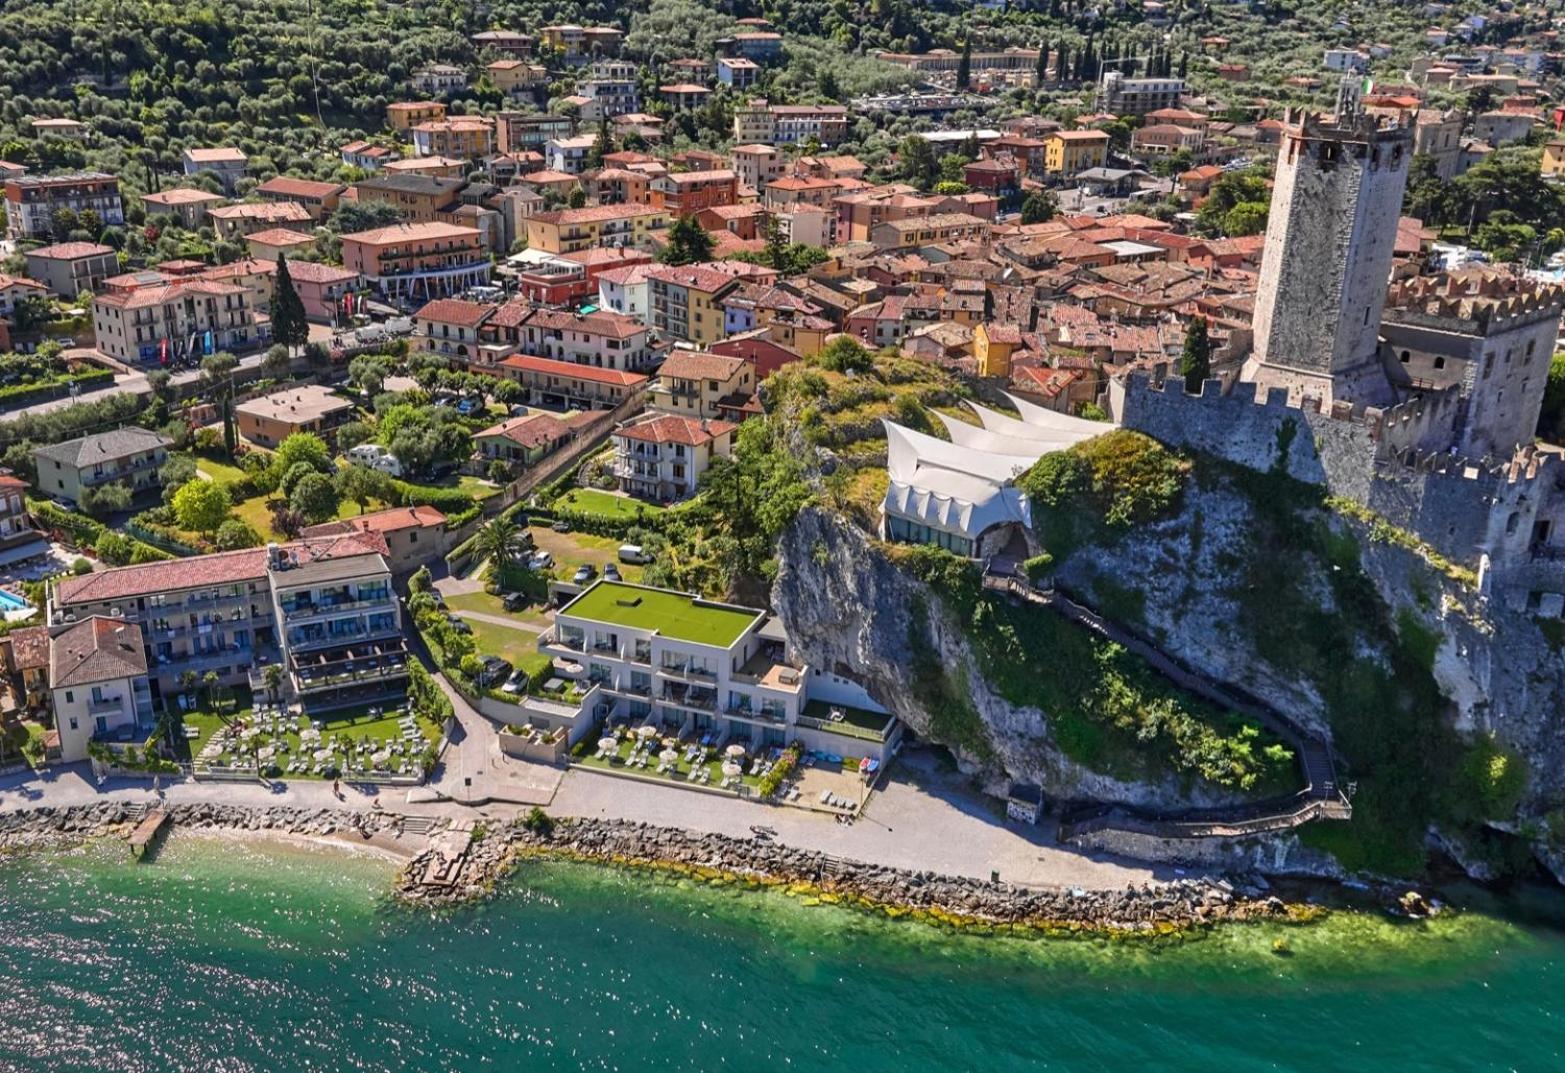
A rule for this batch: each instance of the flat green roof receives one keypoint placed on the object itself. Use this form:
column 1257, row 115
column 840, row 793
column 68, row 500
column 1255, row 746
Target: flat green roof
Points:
column 675, row 615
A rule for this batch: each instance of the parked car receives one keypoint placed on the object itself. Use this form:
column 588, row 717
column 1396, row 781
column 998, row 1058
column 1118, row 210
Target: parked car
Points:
column 610, row 572
column 494, row 671
column 561, row 526
column 459, row 624
column 633, row 553
column 516, row 683
column 466, row 406
column 584, row 573
column 514, row 601
column 540, row 561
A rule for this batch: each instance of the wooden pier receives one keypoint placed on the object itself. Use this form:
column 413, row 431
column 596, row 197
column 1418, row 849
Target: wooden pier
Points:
column 147, row 831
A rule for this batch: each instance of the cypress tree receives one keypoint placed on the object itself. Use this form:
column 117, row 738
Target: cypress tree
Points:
column 289, row 326
column 964, row 66
column 1043, row 61
column 1195, row 360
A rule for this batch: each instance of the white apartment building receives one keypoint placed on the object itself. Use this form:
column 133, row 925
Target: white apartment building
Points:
column 663, row 456
column 699, row 667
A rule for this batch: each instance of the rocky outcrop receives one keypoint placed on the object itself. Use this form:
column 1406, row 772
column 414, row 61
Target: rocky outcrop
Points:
column 847, row 608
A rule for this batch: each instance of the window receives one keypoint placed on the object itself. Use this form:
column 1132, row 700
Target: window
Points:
column 70, row 698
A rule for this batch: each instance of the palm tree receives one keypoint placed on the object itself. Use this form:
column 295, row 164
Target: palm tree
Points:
column 497, row 541
column 209, row 683
column 273, row 677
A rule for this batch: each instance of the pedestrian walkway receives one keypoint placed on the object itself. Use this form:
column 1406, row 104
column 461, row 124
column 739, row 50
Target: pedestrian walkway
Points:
column 501, row 620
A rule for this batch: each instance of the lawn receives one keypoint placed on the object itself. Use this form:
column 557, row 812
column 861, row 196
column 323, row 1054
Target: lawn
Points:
column 223, row 472
column 570, row 550
column 606, row 504
column 672, row 614
column 476, row 487
column 258, row 514
column 517, row 647
column 486, row 604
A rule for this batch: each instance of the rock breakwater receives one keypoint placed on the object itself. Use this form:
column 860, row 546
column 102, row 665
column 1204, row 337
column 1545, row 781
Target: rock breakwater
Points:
column 898, row 892
column 54, row 827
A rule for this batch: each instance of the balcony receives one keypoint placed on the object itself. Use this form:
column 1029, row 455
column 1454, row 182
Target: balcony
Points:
column 371, row 662
column 557, row 638
column 775, row 717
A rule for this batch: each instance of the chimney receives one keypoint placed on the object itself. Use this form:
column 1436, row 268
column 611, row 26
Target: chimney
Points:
column 274, row 556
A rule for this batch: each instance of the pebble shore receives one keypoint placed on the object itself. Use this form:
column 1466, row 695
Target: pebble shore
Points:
column 459, row 862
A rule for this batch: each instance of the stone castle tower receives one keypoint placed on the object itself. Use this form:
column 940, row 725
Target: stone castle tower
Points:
column 1330, row 237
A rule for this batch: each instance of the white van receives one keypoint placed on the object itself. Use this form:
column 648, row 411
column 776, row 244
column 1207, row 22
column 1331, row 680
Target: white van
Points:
column 633, row 553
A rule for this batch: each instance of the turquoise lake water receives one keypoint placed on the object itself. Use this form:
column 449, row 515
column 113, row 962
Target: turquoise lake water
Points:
column 237, row 957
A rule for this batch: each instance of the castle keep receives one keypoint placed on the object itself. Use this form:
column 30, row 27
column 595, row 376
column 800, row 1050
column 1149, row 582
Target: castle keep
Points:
column 1330, row 238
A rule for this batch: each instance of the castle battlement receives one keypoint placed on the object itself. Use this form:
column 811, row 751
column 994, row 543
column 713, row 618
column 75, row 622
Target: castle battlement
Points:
column 1474, row 302
column 1395, row 461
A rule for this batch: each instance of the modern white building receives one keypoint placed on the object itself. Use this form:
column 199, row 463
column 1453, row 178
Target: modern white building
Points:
column 698, row 667
column 961, row 494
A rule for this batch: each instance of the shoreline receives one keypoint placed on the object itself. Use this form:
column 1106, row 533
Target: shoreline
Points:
column 446, row 863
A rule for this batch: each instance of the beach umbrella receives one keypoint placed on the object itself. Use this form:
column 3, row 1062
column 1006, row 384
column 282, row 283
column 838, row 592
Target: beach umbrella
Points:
column 382, row 757
column 668, row 756
column 647, row 732
column 735, row 751
column 608, row 743
column 732, row 770
column 323, row 755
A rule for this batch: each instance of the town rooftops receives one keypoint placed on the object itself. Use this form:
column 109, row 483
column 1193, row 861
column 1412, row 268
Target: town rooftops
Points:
column 427, row 231
column 96, row 650
column 306, row 402
column 571, row 370
column 676, row 615
column 699, row 277
column 103, row 446
column 604, row 322
column 1081, row 135
column 69, row 251
column 205, row 571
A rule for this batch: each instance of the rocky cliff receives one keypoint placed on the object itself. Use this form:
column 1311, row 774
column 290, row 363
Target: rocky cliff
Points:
column 846, row 606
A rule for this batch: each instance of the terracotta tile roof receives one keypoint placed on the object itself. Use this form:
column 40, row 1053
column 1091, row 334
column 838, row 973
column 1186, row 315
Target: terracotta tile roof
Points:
column 529, row 430
column 280, row 236
column 7, row 282
column 571, row 370
column 382, row 521
column 315, row 272
column 30, row 648
column 69, row 251
column 456, row 311
column 699, row 277
column 204, row 571
column 699, row 365
column 602, row 322
column 596, row 214
column 667, row 428
column 182, row 196
column 97, row 650
column 388, row 236
column 223, row 155
column 284, row 186
column 276, row 211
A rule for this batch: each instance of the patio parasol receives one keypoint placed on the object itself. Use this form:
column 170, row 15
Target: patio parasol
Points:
column 668, row 756
column 735, row 751
column 608, row 743
column 646, row 732
column 732, row 770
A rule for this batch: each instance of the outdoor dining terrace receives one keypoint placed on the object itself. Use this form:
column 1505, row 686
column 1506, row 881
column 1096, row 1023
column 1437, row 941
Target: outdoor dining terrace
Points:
column 372, row 741
column 703, row 759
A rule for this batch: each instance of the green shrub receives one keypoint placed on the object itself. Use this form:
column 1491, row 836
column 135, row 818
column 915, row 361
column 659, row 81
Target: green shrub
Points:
column 80, row 566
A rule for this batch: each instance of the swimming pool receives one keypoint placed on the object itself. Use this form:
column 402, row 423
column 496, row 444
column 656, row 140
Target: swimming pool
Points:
column 9, row 601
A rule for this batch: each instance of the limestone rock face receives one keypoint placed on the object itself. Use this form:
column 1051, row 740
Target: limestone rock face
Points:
column 847, row 608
